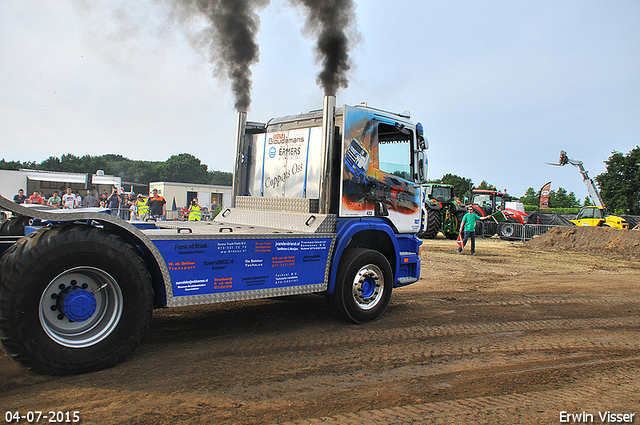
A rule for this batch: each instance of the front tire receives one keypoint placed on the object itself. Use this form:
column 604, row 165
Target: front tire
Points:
column 73, row 299
column 363, row 285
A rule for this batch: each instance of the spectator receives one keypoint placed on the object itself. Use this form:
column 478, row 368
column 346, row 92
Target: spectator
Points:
column 195, row 211
column 157, row 204
column 215, row 208
column 113, row 201
column 36, row 199
column 78, row 200
column 69, row 200
column 133, row 207
column 20, row 198
column 54, row 200
column 128, row 207
column 89, row 201
column 142, row 207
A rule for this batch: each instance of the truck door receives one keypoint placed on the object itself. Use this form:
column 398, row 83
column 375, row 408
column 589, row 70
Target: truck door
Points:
column 378, row 169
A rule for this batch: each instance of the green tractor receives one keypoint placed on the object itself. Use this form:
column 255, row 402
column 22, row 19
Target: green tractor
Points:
column 441, row 211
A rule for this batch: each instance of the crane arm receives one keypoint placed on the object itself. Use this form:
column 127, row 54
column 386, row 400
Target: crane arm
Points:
column 591, row 186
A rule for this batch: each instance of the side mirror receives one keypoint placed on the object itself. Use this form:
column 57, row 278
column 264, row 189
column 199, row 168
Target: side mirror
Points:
column 424, row 168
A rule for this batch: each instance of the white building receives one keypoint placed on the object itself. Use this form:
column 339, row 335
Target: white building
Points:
column 48, row 182
column 183, row 193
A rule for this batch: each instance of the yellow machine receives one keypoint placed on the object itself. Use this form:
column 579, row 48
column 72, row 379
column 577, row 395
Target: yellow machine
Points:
column 599, row 216
column 595, row 215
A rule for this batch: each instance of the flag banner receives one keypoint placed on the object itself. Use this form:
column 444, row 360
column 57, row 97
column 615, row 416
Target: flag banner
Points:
column 544, row 196
column 499, row 217
column 459, row 241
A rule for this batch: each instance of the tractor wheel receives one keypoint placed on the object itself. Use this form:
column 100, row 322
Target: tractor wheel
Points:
column 363, row 285
column 433, row 224
column 508, row 230
column 73, row 299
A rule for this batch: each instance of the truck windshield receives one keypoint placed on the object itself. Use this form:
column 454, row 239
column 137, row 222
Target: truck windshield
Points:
column 356, row 146
column 482, row 200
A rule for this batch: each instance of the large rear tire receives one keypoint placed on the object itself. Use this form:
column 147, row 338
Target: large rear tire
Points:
column 73, row 299
column 433, row 224
column 363, row 285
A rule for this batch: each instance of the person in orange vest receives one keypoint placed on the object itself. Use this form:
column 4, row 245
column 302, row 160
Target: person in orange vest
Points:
column 195, row 211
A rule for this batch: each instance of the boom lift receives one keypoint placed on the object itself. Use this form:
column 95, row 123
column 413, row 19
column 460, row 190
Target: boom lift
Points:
column 596, row 215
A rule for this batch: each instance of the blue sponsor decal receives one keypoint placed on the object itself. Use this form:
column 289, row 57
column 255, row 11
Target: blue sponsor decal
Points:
column 212, row 266
column 272, row 152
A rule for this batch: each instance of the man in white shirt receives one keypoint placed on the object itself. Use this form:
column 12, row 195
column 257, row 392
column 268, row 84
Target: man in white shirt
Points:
column 69, row 199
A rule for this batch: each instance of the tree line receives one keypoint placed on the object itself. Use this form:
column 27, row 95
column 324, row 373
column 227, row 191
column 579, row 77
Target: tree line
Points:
column 182, row 168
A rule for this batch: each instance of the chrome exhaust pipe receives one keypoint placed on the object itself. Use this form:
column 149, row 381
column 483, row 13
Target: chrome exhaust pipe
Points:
column 239, row 160
column 328, row 168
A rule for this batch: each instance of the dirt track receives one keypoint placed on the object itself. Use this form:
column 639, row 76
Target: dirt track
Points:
column 512, row 335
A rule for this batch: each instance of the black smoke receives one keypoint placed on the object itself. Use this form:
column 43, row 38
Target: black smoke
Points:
column 230, row 37
column 230, row 30
column 333, row 23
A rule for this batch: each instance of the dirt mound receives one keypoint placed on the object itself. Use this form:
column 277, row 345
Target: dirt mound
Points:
column 598, row 240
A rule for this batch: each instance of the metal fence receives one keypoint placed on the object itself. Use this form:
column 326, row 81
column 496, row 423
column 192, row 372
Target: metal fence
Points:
column 512, row 231
column 170, row 215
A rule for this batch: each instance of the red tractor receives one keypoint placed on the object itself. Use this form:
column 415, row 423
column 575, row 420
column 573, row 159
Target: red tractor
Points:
column 487, row 202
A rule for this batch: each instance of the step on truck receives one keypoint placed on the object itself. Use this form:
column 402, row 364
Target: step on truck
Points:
column 78, row 287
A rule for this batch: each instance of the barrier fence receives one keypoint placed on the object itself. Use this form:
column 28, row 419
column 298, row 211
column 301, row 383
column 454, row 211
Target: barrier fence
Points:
column 170, row 215
column 128, row 214
column 505, row 230
column 513, row 231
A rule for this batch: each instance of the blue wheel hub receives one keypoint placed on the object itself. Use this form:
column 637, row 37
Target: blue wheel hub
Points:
column 76, row 303
column 368, row 287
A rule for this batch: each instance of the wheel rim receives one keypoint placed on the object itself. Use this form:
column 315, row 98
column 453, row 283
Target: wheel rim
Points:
column 508, row 230
column 368, row 286
column 80, row 307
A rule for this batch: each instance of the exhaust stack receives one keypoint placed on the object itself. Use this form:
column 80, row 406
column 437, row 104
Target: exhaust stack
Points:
column 241, row 123
column 328, row 125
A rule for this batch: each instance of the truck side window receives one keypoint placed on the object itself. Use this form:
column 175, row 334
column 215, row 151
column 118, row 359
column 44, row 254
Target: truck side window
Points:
column 394, row 150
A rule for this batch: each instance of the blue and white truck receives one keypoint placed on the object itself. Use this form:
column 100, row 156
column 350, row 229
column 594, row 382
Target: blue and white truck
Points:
column 78, row 287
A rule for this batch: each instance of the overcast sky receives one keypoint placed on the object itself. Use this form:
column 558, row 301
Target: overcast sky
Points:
column 500, row 86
